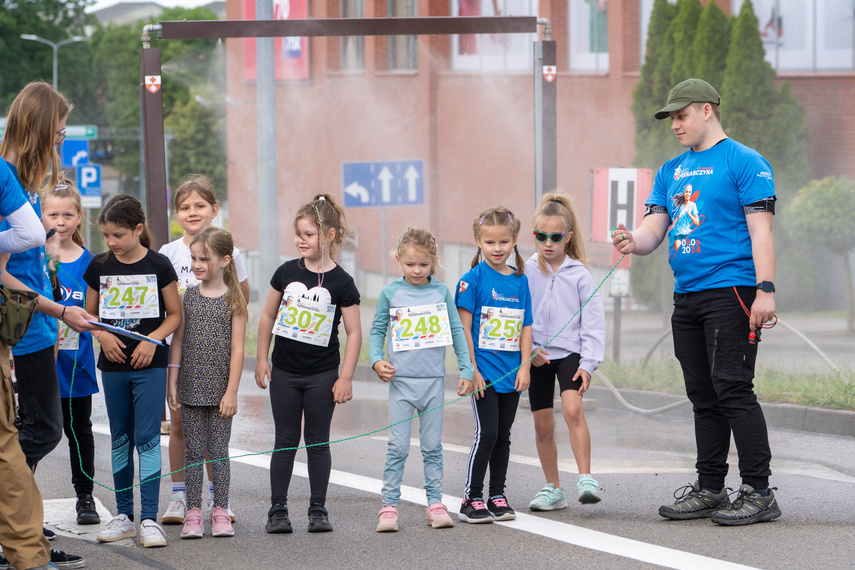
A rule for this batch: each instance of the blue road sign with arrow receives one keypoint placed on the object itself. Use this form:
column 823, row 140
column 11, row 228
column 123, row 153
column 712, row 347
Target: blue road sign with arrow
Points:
column 383, row 183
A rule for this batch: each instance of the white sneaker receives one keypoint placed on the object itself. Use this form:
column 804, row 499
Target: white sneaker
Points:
column 118, row 528
column 209, row 510
column 151, row 534
column 176, row 510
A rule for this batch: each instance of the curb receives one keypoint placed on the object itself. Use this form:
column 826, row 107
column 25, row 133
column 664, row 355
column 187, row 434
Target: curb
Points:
column 786, row 416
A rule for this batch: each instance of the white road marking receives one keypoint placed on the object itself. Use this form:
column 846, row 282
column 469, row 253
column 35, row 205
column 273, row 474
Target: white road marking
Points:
column 679, row 464
column 61, row 516
column 562, row 532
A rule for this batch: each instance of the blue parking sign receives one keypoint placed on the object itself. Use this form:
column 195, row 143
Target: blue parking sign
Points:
column 89, row 184
column 75, row 152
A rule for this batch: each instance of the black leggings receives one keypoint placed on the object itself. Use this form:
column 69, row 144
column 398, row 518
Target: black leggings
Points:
column 292, row 397
column 494, row 416
column 81, row 408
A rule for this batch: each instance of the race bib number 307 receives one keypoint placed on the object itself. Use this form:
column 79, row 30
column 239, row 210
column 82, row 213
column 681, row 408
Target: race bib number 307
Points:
column 500, row 328
column 128, row 297
column 304, row 320
column 425, row 326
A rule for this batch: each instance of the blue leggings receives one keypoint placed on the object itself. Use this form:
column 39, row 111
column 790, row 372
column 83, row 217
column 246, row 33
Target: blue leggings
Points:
column 134, row 406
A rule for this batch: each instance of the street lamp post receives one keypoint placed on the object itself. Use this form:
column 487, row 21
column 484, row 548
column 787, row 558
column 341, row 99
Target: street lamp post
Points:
column 55, row 47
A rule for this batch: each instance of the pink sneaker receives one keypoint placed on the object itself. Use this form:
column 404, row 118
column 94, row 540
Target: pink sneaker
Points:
column 193, row 525
column 222, row 522
column 437, row 516
column 387, row 519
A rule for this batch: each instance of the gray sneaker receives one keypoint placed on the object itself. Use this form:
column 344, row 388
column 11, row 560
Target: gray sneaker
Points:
column 749, row 507
column 693, row 503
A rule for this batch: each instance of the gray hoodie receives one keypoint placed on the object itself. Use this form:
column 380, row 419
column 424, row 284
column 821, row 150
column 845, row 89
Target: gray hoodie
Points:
column 555, row 299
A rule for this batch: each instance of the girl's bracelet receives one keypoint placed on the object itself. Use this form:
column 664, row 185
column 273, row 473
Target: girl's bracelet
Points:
column 98, row 335
column 173, row 366
column 62, row 316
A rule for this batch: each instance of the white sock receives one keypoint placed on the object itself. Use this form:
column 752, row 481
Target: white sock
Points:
column 178, row 487
column 210, row 490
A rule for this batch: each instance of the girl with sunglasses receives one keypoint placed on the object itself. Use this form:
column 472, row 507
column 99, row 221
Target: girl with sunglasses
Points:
column 568, row 343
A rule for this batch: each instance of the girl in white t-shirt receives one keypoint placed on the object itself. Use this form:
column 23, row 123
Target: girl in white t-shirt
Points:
column 195, row 207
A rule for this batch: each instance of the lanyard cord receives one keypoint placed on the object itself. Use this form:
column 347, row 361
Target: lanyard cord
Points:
column 768, row 325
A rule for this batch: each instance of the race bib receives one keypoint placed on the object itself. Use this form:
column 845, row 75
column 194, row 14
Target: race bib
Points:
column 304, row 320
column 425, row 326
column 500, row 328
column 69, row 339
column 128, row 297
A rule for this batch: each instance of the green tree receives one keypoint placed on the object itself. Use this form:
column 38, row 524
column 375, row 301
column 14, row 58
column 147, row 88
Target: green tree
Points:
column 757, row 114
column 199, row 143
column 748, row 89
column 821, row 214
column 653, row 144
column 117, row 59
column 711, row 45
column 25, row 60
column 684, row 28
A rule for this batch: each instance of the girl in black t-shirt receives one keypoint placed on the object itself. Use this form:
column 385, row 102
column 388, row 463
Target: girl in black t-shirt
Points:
column 142, row 297
column 305, row 379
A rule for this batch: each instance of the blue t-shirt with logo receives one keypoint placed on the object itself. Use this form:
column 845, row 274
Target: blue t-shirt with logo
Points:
column 704, row 193
column 80, row 362
column 483, row 286
column 11, row 193
column 30, row 267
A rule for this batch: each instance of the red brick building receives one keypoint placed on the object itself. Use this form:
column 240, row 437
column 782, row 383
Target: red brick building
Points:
column 464, row 105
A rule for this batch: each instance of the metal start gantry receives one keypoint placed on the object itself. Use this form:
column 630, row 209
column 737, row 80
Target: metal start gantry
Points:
column 152, row 96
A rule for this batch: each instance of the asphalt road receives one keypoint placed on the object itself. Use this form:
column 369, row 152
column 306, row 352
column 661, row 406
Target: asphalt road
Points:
column 638, row 461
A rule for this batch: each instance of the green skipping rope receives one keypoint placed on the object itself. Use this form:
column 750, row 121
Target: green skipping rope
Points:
column 342, row 440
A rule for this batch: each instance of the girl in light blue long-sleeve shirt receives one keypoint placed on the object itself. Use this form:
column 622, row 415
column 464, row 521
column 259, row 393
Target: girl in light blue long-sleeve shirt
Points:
column 414, row 311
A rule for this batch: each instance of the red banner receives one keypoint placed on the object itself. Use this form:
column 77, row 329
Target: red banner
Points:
column 292, row 54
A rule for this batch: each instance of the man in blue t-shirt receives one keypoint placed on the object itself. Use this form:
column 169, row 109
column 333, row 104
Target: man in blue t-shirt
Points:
column 715, row 203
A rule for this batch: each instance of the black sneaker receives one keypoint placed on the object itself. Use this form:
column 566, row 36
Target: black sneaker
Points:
column 319, row 519
column 4, row 564
column 499, row 508
column 749, row 507
column 278, row 521
column 86, row 511
column 474, row 511
column 694, row 503
column 65, row 561
column 49, row 534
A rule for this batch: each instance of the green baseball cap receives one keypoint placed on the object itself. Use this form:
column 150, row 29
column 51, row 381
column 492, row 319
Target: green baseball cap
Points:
column 687, row 92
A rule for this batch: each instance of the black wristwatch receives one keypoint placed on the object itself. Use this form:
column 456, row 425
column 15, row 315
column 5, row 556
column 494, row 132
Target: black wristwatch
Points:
column 766, row 286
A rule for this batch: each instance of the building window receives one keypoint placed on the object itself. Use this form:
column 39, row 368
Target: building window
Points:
column 492, row 52
column 588, row 31
column 402, row 49
column 646, row 11
column 352, row 47
column 806, row 34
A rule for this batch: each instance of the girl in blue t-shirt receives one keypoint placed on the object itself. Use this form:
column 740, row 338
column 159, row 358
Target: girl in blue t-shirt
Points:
column 495, row 306
column 75, row 357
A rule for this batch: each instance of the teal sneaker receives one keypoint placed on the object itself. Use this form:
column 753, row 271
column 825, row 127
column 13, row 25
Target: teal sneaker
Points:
column 588, row 489
column 549, row 499
column 749, row 507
